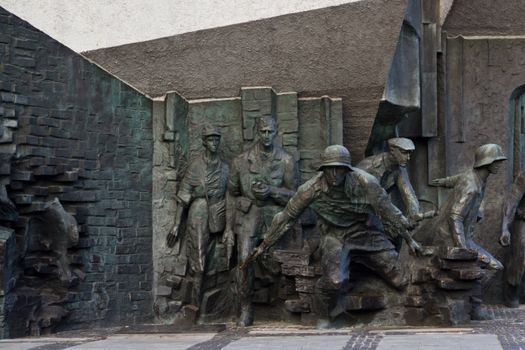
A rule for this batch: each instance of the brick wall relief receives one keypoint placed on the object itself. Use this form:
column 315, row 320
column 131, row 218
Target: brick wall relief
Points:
column 76, row 151
column 306, row 126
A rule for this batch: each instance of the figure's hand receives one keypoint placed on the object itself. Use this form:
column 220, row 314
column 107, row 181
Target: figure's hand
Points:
column 261, row 191
column 438, row 182
column 504, row 239
column 415, row 247
column 173, row 236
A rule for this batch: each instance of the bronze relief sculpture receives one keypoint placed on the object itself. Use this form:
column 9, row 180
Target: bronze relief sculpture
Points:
column 202, row 193
column 344, row 197
column 389, row 168
column 454, row 225
column 513, row 234
column 262, row 180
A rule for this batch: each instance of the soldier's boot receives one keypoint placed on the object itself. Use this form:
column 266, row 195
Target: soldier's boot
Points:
column 479, row 313
column 324, row 302
column 511, row 295
column 246, row 318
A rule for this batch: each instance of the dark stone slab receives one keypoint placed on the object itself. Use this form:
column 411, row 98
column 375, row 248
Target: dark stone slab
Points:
column 365, row 302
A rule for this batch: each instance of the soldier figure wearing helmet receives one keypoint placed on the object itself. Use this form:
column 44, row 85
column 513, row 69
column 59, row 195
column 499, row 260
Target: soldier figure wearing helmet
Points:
column 344, row 197
column 390, row 170
column 202, row 192
column 454, row 226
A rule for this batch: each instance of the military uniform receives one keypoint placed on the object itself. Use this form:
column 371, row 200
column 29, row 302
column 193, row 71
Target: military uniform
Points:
column 202, row 190
column 253, row 216
column 458, row 216
column 346, row 231
column 454, row 225
column 514, row 218
column 392, row 176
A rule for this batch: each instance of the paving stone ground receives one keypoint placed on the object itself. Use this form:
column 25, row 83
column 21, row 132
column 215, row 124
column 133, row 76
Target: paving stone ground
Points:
column 505, row 332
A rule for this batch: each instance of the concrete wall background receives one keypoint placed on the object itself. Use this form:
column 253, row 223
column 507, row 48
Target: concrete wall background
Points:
column 88, row 25
column 343, row 51
column 486, row 17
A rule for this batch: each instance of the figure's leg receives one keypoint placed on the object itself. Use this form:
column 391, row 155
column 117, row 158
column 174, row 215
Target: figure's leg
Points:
column 478, row 313
column 335, row 261
column 386, row 264
column 197, row 245
column 511, row 293
column 247, row 240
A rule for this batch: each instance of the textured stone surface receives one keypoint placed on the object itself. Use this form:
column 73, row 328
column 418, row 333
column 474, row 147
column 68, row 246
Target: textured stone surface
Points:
column 485, row 17
column 348, row 56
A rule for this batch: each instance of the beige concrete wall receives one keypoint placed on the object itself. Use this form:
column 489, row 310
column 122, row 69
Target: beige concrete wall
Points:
column 86, row 25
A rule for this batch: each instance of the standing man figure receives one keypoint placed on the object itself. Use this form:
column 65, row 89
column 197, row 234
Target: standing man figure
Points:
column 389, row 168
column 514, row 221
column 261, row 181
column 202, row 191
column 454, row 225
column 344, row 197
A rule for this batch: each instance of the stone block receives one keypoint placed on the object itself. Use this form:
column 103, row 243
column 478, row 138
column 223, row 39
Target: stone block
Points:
column 289, row 140
column 22, row 199
column 456, row 253
column 210, row 300
column 173, row 281
column 452, row 285
column 365, row 302
column 422, row 275
column 291, row 257
column 289, row 126
column 305, row 284
column 466, row 274
column 297, row 270
column 297, row 305
column 164, row 291
column 458, row 264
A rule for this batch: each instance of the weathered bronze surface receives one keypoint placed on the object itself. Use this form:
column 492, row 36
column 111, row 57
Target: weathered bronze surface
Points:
column 513, row 235
column 344, row 198
column 389, row 168
column 261, row 182
column 454, row 226
column 202, row 199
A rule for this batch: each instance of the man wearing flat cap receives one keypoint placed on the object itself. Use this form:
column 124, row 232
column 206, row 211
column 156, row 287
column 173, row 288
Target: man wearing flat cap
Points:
column 344, row 197
column 202, row 194
column 389, row 168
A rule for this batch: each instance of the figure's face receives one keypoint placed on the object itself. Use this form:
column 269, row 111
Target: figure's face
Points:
column 335, row 175
column 401, row 156
column 211, row 143
column 495, row 166
column 267, row 133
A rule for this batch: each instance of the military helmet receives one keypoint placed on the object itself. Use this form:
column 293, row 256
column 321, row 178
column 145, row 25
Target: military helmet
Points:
column 402, row 143
column 488, row 154
column 335, row 155
column 210, row 130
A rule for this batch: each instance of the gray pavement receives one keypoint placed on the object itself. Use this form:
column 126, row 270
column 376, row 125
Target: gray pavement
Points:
column 505, row 332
